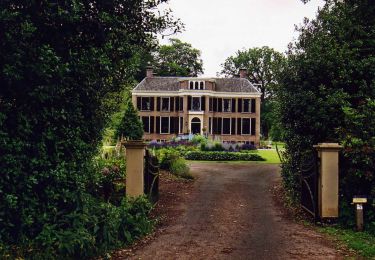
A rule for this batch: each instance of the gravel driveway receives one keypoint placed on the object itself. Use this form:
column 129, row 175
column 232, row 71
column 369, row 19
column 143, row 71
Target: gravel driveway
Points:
column 230, row 214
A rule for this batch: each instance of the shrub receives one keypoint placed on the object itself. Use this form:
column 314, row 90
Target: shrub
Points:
column 181, row 169
column 222, row 156
column 166, row 156
column 56, row 97
column 199, row 139
column 316, row 106
column 215, row 146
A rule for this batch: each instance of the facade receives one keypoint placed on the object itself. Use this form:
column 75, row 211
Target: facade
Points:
column 225, row 109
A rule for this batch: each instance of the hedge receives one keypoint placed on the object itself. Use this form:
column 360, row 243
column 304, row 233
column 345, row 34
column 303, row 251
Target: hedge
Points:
column 223, row 156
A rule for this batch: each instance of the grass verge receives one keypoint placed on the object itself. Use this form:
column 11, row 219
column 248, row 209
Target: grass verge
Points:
column 363, row 243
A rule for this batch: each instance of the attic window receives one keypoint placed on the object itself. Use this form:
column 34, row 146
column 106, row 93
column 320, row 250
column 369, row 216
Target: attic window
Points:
column 193, row 85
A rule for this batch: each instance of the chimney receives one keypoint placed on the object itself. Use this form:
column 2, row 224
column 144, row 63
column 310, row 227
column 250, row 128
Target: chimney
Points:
column 243, row 73
column 149, row 72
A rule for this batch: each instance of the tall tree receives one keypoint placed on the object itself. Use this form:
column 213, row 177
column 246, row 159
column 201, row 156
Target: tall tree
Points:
column 263, row 68
column 59, row 63
column 327, row 93
column 177, row 59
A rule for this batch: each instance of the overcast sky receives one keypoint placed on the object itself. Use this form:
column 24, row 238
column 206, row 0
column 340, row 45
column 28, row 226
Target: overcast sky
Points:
column 221, row 27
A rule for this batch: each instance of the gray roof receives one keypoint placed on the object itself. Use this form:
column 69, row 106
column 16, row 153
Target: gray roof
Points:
column 173, row 84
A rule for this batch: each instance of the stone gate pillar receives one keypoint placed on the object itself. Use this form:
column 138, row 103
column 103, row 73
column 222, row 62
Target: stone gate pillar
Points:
column 135, row 151
column 328, row 185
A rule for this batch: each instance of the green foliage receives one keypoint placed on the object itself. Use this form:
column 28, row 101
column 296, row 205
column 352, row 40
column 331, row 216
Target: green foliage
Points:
column 222, row 156
column 327, row 94
column 166, row 156
column 178, row 59
column 362, row 242
column 89, row 231
column 130, row 125
column 264, row 66
column 180, row 168
column 214, row 147
column 108, row 180
column 199, row 139
column 61, row 64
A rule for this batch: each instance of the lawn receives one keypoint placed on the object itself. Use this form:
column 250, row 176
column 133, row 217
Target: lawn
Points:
column 270, row 155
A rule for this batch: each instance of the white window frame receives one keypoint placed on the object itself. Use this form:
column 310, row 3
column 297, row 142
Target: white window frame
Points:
column 230, row 125
column 200, row 103
column 149, row 124
column 197, row 87
column 169, row 124
column 210, row 119
column 243, row 105
column 230, row 105
column 169, row 104
column 142, row 103
column 242, row 118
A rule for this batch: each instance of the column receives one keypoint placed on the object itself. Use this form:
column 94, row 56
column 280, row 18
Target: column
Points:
column 135, row 151
column 328, row 185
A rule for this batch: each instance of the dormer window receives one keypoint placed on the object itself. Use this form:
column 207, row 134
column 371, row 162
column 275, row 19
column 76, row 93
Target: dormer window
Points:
column 196, row 85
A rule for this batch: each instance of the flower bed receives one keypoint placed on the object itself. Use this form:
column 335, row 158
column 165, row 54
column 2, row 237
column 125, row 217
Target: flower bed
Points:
column 222, row 156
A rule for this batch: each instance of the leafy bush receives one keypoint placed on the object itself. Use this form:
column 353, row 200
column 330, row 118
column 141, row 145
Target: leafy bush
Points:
column 199, row 139
column 108, row 180
column 180, row 168
column 327, row 94
column 56, row 97
column 222, row 156
column 166, row 156
column 215, row 146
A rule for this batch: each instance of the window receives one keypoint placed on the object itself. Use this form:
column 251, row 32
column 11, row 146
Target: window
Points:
column 196, row 103
column 245, row 126
column 196, row 85
column 226, row 126
column 181, row 125
column 227, row 105
column 164, row 125
column 210, row 125
column 246, row 105
column 165, row 104
column 145, row 103
column 181, row 104
column 146, row 124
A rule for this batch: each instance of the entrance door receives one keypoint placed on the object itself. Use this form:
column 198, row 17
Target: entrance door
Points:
column 195, row 125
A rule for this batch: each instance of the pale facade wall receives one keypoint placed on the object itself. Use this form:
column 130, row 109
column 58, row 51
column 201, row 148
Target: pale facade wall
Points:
column 210, row 86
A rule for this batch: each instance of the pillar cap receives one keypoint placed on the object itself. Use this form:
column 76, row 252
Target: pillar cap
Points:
column 327, row 146
column 135, row 144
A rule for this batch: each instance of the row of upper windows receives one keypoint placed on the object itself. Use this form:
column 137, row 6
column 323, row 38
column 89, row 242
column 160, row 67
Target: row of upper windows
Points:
column 197, row 85
column 167, row 104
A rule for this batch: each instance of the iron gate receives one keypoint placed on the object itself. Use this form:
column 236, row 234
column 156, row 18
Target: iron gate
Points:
column 309, row 184
column 151, row 177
